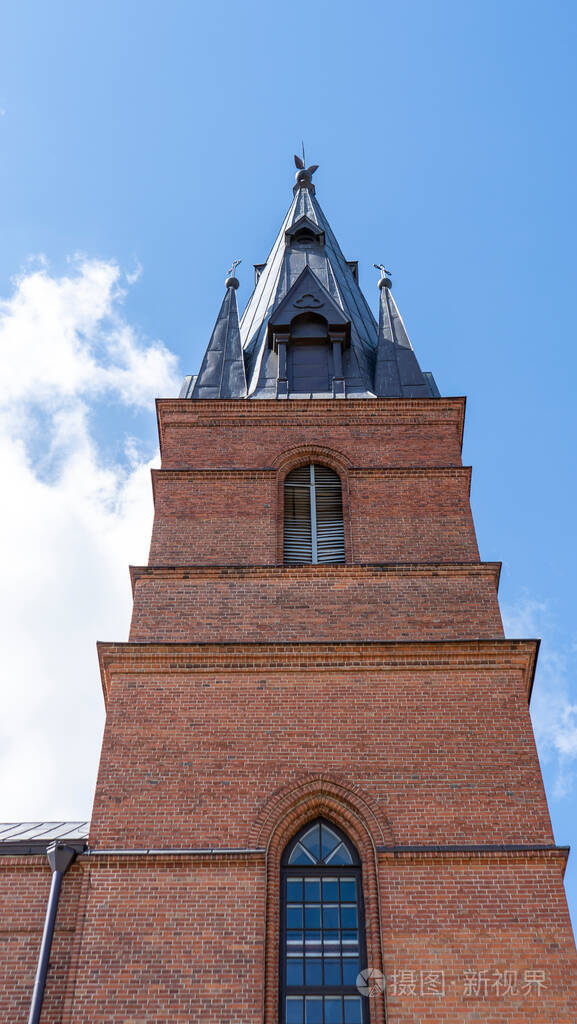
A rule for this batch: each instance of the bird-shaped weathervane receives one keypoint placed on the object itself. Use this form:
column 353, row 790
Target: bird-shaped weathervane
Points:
column 304, row 173
column 300, row 165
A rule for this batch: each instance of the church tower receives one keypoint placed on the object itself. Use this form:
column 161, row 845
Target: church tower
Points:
column 318, row 769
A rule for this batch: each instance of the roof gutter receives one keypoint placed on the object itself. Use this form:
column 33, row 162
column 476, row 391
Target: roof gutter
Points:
column 36, row 847
column 60, row 857
column 201, row 851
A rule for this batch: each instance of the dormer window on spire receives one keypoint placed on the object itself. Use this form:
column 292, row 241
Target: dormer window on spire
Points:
column 310, row 364
column 304, row 238
column 309, row 333
column 303, row 233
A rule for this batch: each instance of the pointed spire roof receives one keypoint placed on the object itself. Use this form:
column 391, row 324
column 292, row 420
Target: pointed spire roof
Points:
column 286, row 262
column 222, row 372
column 306, row 283
column 397, row 372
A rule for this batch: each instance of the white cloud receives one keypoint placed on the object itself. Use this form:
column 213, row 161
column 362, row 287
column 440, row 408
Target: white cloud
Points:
column 65, row 337
column 553, row 706
column 71, row 520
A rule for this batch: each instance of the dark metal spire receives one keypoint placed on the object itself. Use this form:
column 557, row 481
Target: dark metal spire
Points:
column 306, row 240
column 397, row 371
column 307, row 309
column 222, row 373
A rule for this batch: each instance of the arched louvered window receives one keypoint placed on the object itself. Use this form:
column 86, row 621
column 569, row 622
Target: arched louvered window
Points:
column 322, row 929
column 313, row 516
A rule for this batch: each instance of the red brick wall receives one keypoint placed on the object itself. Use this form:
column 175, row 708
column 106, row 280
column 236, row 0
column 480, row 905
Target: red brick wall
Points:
column 24, row 889
column 383, row 432
column 316, row 603
column 440, row 738
column 411, row 516
column 480, row 913
column 171, row 940
column 182, row 938
column 215, row 518
column 234, row 517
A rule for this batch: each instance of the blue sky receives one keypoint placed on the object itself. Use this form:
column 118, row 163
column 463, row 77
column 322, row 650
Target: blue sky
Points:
column 143, row 147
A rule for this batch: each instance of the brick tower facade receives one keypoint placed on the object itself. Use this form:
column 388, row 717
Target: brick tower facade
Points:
column 318, row 756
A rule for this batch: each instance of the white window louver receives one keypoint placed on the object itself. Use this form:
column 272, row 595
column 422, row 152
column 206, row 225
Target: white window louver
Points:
column 313, row 517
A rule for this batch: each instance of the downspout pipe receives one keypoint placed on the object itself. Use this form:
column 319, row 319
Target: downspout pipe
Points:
column 60, row 857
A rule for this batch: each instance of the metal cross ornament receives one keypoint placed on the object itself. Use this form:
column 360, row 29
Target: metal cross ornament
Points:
column 383, row 270
column 235, row 264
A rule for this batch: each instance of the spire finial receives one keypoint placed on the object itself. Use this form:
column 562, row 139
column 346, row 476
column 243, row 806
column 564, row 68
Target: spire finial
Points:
column 304, row 174
column 231, row 278
column 385, row 281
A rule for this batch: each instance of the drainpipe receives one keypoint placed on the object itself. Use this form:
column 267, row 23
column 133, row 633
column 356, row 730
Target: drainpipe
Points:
column 60, row 858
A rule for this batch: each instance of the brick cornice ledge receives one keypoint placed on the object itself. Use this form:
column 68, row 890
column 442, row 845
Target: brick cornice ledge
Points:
column 183, row 412
column 315, row 572
column 432, row 656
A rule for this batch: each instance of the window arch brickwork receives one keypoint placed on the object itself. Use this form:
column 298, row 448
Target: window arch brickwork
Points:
column 304, row 455
column 322, row 929
column 312, row 800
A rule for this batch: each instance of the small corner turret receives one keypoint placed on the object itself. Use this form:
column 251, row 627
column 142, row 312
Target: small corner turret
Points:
column 397, row 371
column 222, row 374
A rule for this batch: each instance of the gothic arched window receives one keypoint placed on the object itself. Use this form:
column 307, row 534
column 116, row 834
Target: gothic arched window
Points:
column 313, row 516
column 322, row 929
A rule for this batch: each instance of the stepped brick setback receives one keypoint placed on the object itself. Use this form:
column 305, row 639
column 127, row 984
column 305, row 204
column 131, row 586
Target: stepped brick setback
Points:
column 256, row 695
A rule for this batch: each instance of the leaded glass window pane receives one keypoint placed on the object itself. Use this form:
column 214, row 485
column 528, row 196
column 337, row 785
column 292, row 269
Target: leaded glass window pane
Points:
column 322, row 936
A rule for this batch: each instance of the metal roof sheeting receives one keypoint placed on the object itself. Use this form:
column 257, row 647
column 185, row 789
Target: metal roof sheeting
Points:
column 284, row 266
column 43, row 831
column 397, row 372
column 222, row 372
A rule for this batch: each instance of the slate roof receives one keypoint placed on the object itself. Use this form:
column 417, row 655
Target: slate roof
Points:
column 379, row 359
